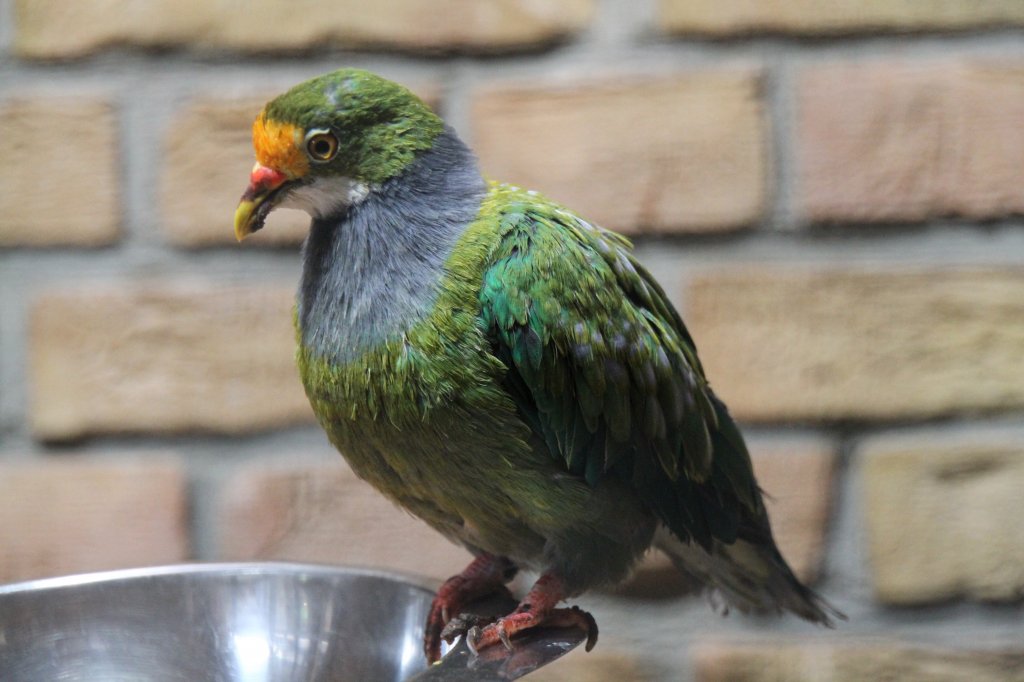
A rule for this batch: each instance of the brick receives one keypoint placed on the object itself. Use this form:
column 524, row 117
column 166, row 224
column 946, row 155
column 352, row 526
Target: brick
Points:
column 787, row 343
column 902, row 141
column 60, row 516
column 58, row 172
column 323, row 513
column 724, row 17
column 163, row 356
column 207, row 158
column 854, row 662
column 797, row 480
column 685, row 152
column 944, row 517
column 208, row 155
column 606, row 665
column 54, row 28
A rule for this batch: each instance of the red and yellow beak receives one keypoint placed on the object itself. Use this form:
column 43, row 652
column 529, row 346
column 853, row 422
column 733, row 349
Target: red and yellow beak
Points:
column 258, row 200
column 279, row 159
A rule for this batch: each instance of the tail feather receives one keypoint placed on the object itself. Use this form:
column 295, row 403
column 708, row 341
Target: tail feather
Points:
column 749, row 577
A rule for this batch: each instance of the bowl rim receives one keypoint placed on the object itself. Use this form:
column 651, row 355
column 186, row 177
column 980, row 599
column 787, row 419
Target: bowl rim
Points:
column 218, row 568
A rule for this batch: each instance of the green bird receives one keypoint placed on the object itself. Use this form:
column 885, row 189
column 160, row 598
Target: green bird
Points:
column 502, row 368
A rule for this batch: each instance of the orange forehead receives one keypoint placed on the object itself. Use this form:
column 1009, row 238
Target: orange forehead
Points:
column 279, row 146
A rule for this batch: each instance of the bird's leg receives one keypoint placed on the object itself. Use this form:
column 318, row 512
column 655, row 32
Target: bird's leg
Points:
column 486, row 575
column 536, row 609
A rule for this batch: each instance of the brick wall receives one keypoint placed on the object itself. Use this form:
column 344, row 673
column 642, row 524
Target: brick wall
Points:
column 832, row 191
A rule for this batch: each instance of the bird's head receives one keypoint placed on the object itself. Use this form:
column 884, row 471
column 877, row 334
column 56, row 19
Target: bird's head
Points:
column 326, row 143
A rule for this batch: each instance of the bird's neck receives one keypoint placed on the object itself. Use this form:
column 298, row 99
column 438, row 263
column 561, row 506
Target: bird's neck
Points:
column 372, row 271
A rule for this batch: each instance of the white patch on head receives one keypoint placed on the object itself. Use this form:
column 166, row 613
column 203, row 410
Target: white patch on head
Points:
column 326, row 195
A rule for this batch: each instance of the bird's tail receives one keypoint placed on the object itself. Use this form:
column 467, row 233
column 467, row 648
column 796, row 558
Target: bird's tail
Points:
column 747, row 576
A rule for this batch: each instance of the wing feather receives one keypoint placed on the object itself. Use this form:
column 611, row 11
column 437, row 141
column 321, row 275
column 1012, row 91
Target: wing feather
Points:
column 604, row 371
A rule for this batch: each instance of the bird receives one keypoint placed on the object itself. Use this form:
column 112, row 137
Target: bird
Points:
column 503, row 369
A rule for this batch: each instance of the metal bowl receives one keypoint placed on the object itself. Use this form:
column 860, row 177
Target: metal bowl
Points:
column 222, row 622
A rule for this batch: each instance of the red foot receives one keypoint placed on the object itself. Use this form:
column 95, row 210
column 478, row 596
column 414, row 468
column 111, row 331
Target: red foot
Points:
column 486, row 575
column 537, row 609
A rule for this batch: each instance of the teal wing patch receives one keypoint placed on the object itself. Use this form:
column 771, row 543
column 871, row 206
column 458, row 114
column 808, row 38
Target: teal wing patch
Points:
column 604, row 372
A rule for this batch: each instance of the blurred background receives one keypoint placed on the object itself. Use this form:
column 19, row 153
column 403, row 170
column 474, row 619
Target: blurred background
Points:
column 831, row 190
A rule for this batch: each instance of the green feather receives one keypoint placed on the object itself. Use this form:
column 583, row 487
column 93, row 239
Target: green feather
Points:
column 604, row 368
column 548, row 349
column 383, row 125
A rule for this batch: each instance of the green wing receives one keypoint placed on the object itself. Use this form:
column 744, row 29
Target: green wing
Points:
column 604, row 372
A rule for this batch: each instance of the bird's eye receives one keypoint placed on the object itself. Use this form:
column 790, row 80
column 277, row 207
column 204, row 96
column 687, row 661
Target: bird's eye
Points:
column 321, row 145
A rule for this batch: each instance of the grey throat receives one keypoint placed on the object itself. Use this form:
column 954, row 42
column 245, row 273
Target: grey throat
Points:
column 372, row 270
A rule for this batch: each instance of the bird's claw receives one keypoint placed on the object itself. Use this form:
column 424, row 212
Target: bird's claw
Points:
column 461, row 624
column 475, row 636
column 472, row 637
column 590, row 625
column 503, row 635
column 486, row 575
column 503, row 629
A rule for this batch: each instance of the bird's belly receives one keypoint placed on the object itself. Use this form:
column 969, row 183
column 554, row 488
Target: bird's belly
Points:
column 470, row 467
column 526, row 509
column 462, row 488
